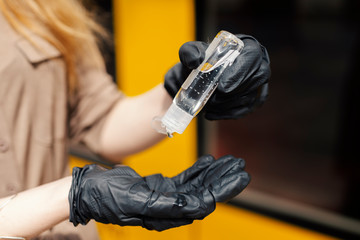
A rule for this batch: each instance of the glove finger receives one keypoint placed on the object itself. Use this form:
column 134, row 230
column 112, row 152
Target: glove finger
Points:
column 179, row 205
column 225, row 162
column 226, row 165
column 175, row 77
column 245, row 65
column 202, row 163
column 235, row 105
column 252, row 57
column 192, row 53
column 161, row 224
column 227, row 178
column 259, row 78
column 229, row 186
column 244, row 36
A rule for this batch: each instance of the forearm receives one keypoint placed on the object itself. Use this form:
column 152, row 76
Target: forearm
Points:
column 128, row 129
column 36, row 210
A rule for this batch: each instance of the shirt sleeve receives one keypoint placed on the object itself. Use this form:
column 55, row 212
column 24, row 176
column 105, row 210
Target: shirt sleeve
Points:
column 97, row 94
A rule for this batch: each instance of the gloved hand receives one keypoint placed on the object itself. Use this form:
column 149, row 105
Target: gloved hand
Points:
column 224, row 178
column 243, row 86
column 120, row 196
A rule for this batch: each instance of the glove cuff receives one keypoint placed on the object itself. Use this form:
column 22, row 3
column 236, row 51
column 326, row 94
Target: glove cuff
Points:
column 75, row 216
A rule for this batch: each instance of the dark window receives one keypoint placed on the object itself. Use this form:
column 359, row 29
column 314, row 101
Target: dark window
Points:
column 301, row 145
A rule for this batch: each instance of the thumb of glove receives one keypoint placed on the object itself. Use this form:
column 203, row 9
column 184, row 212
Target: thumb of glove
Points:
column 192, row 54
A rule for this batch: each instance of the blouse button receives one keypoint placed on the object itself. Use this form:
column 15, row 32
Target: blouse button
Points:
column 4, row 146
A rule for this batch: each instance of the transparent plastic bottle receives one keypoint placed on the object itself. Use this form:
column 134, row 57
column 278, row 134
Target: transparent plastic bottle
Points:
column 200, row 84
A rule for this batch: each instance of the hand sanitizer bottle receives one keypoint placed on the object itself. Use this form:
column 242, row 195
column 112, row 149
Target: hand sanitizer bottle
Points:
column 200, row 84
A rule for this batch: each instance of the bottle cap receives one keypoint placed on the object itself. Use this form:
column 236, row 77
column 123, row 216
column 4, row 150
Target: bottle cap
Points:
column 176, row 119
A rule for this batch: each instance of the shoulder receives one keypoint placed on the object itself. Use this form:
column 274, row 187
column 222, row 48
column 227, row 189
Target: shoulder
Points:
column 12, row 43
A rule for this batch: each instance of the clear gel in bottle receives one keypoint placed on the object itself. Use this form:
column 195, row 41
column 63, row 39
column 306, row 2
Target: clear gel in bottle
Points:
column 200, row 84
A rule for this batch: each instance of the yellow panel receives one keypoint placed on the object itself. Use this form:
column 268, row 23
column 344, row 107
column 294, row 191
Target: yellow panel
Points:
column 228, row 222
column 77, row 162
column 148, row 35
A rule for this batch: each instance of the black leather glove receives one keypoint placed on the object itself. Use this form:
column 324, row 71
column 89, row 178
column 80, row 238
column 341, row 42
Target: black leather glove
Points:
column 120, row 196
column 224, row 178
column 243, row 86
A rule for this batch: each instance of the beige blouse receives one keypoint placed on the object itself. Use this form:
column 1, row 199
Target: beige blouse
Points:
column 37, row 118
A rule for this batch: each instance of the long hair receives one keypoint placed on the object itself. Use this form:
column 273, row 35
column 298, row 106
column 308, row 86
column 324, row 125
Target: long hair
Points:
column 66, row 24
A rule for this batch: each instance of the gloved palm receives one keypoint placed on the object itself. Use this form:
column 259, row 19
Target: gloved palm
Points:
column 121, row 196
column 224, row 178
column 242, row 87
